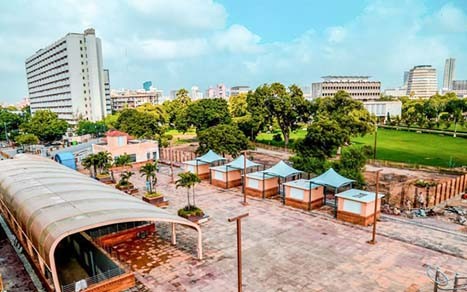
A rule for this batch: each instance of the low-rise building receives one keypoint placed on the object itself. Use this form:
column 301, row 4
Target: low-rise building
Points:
column 459, row 87
column 382, row 109
column 359, row 87
column 119, row 143
column 236, row 90
column 127, row 98
column 396, row 92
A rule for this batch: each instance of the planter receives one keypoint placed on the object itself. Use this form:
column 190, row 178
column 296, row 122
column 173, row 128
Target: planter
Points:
column 159, row 201
column 107, row 179
column 195, row 216
column 198, row 219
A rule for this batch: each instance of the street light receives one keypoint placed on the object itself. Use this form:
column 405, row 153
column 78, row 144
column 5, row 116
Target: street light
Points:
column 244, row 203
column 239, row 248
column 373, row 238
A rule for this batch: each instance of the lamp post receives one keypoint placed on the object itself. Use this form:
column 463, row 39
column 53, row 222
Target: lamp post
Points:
column 244, row 202
column 376, row 138
column 373, row 238
column 238, row 219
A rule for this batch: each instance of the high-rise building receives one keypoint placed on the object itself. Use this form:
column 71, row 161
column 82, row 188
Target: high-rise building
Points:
column 236, row 90
column 406, row 78
column 359, row 87
column 422, row 82
column 307, row 91
column 449, row 71
column 67, row 77
column 108, row 101
column 219, row 91
column 459, row 87
column 196, row 93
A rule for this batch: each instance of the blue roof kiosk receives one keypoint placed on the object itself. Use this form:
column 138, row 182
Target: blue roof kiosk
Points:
column 67, row 159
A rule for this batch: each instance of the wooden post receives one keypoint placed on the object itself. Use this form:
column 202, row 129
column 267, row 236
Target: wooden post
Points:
column 244, row 179
column 436, row 195
column 238, row 219
column 373, row 238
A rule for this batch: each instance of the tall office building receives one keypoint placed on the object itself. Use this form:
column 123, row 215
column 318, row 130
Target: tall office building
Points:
column 196, row 93
column 359, row 87
column 108, row 101
column 449, row 71
column 422, row 82
column 406, row 78
column 67, row 77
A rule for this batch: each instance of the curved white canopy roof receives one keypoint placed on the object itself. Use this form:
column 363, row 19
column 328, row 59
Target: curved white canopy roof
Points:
column 51, row 201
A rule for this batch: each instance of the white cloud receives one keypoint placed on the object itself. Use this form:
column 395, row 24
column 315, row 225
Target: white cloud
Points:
column 451, row 19
column 237, row 39
column 336, row 34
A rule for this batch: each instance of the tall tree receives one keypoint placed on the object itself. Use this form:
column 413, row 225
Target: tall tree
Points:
column 46, row 126
column 205, row 113
column 149, row 171
column 140, row 123
column 176, row 108
column 9, row 122
column 93, row 128
column 287, row 107
column 223, row 139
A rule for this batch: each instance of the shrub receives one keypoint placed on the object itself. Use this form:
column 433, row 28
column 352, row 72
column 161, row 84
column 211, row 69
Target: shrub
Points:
column 190, row 211
column 153, row 195
column 277, row 137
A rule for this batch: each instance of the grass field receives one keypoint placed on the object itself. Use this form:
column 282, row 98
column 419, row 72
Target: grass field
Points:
column 407, row 147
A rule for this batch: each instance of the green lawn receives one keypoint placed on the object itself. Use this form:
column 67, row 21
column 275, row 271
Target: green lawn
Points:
column 411, row 147
column 403, row 146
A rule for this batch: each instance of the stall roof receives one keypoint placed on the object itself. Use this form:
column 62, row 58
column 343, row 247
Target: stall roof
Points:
column 282, row 170
column 331, row 179
column 259, row 175
column 301, row 183
column 238, row 163
column 210, row 157
column 358, row 195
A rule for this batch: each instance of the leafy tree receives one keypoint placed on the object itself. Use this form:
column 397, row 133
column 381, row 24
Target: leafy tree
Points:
column 9, row 121
column 90, row 163
column 93, row 128
column 176, row 108
column 110, row 121
column 98, row 162
column 223, row 139
column 149, row 171
column 238, row 106
column 27, row 139
column 140, row 123
column 46, row 126
column 350, row 114
column 205, row 113
column 352, row 163
column 322, row 140
column 258, row 116
column 125, row 178
column 188, row 180
column 287, row 107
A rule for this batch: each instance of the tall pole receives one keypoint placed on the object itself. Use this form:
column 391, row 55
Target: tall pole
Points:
column 6, row 133
column 239, row 248
column 244, row 179
column 376, row 138
column 373, row 238
column 171, row 164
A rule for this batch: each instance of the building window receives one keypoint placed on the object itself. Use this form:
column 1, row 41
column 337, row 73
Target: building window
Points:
column 80, row 41
column 132, row 157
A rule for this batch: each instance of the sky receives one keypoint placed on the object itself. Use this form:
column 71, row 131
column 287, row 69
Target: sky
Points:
column 181, row 43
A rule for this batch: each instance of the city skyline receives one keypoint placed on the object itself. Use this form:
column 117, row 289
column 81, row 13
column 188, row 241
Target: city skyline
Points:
column 218, row 42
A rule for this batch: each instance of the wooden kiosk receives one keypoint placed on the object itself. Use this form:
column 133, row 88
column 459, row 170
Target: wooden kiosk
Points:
column 303, row 194
column 201, row 165
column 357, row 206
column 230, row 175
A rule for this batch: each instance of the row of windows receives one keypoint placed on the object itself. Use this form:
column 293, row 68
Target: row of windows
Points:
column 351, row 87
column 353, row 94
column 48, row 83
column 43, row 53
column 51, row 78
column 45, row 100
column 52, row 94
column 50, row 69
column 55, row 59
column 50, row 88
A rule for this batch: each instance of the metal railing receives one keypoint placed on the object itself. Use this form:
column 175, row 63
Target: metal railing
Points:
column 443, row 283
column 93, row 280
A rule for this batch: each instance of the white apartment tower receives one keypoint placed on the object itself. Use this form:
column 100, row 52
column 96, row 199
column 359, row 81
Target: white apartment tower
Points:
column 67, row 77
column 449, row 70
column 422, row 82
column 359, row 87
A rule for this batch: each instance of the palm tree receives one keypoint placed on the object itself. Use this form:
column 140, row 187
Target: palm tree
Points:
column 104, row 160
column 184, row 182
column 125, row 178
column 122, row 160
column 149, row 170
column 90, row 162
column 194, row 179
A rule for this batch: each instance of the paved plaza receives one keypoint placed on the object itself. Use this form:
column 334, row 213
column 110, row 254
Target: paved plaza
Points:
column 290, row 250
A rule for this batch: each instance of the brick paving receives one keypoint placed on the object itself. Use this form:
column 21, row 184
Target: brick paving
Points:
column 290, row 250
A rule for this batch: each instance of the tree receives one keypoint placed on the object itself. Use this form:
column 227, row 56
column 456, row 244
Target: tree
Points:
column 350, row 114
column 103, row 161
column 87, row 127
column 122, row 160
column 46, row 126
column 27, row 139
column 238, row 105
column 223, row 139
column 287, row 107
column 141, row 123
column 125, row 178
column 90, row 163
column 149, row 171
column 352, row 163
column 8, row 121
column 176, row 108
column 322, row 140
column 258, row 116
column 188, row 180
column 205, row 113
column 110, row 121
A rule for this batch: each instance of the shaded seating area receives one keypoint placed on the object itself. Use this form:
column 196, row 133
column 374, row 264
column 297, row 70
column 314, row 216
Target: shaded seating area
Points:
column 357, row 206
column 267, row 183
column 201, row 165
column 303, row 194
column 230, row 175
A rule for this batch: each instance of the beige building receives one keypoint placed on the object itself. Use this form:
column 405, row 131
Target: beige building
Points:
column 359, row 87
column 422, row 82
column 133, row 98
column 119, row 143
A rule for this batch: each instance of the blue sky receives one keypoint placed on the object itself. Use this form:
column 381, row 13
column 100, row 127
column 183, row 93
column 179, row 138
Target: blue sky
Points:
column 180, row 43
